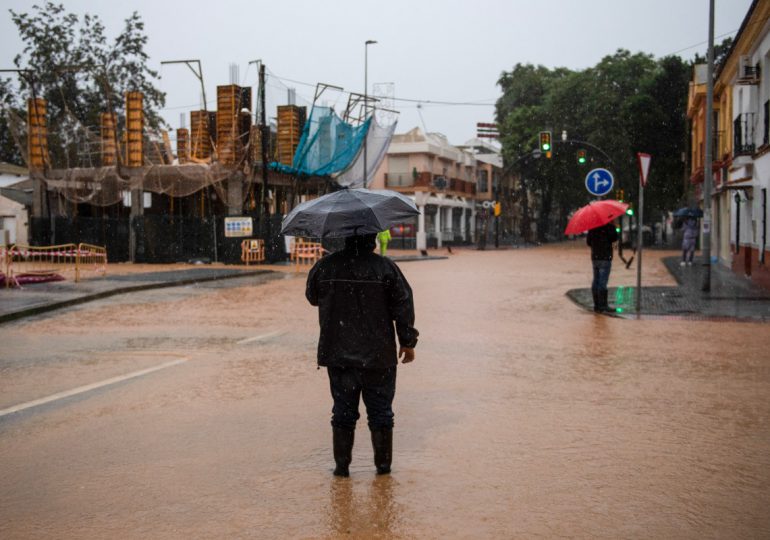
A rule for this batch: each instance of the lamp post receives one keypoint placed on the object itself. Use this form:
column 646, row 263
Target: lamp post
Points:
column 366, row 99
column 707, row 165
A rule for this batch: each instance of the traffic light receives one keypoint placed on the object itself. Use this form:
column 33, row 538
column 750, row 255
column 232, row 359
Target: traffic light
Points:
column 630, row 210
column 581, row 156
column 545, row 141
column 620, row 195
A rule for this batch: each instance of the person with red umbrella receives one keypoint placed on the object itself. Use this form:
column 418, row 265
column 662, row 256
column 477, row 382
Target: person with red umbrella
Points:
column 596, row 218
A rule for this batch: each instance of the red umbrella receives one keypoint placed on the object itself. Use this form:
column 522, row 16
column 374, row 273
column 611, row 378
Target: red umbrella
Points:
column 593, row 215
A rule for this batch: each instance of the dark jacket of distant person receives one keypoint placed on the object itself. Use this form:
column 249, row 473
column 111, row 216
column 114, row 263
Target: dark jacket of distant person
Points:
column 600, row 239
column 360, row 295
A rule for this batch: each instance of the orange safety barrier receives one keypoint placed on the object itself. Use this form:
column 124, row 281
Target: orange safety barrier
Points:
column 90, row 258
column 253, row 251
column 305, row 252
column 49, row 261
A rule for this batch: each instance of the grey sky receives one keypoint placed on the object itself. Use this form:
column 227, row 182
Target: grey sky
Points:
column 451, row 50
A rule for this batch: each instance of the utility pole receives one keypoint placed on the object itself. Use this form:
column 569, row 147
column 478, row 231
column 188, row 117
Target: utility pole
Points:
column 264, row 131
column 707, row 172
column 366, row 100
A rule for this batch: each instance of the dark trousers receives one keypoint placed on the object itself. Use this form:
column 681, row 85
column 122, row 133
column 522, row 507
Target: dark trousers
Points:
column 377, row 386
column 601, row 275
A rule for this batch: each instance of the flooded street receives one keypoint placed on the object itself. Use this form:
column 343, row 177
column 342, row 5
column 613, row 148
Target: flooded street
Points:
column 523, row 416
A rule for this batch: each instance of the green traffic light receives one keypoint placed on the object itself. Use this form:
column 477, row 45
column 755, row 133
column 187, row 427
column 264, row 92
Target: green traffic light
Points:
column 581, row 160
column 546, row 147
column 630, row 211
column 617, row 230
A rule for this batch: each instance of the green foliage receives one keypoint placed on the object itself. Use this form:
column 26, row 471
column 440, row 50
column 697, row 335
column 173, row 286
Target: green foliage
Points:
column 627, row 103
column 80, row 72
column 9, row 152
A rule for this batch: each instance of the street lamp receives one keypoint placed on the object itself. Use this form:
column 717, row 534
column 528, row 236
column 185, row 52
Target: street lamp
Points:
column 366, row 98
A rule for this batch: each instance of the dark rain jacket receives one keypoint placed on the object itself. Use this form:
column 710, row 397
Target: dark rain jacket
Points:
column 600, row 240
column 360, row 295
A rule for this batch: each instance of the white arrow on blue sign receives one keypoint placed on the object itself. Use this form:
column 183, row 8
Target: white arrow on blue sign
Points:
column 599, row 182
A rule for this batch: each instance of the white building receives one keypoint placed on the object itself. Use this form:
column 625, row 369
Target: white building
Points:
column 442, row 179
column 15, row 201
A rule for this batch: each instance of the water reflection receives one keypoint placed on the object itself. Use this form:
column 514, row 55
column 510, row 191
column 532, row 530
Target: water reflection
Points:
column 369, row 513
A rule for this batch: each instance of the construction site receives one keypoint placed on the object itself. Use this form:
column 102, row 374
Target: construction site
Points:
column 205, row 193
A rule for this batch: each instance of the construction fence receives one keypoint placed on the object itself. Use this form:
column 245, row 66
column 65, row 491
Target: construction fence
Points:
column 28, row 264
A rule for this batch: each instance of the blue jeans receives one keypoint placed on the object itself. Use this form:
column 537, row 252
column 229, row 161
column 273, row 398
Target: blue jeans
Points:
column 376, row 386
column 601, row 275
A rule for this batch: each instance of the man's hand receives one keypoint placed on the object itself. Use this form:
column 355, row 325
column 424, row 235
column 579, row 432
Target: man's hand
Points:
column 406, row 354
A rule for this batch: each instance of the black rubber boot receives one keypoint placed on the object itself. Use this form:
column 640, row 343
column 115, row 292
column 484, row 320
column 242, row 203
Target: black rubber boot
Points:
column 603, row 302
column 597, row 303
column 382, row 443
column 343, row 450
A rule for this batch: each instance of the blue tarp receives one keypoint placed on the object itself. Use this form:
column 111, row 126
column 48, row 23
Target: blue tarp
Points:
column 328, row 145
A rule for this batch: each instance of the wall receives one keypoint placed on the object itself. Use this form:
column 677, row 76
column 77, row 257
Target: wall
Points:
column 9, row 208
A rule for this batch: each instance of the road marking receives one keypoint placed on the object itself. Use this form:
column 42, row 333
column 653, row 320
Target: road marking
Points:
column 263, row 336
column 88, row 387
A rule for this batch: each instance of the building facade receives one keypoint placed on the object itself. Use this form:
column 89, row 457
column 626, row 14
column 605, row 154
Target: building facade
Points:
column 448, row 183
column 15, row 202
column 741, row 147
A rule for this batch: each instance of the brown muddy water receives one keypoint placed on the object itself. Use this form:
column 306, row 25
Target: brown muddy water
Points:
column 523, row 416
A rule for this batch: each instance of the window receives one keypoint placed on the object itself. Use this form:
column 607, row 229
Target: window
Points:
column 483, row 181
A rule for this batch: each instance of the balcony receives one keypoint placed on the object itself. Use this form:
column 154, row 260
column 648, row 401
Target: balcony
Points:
column 412, row 181
column 743, row 133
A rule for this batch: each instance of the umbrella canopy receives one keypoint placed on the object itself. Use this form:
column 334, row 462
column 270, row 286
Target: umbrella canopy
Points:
column 349, row 212
column 689, row 212
column 593, row 215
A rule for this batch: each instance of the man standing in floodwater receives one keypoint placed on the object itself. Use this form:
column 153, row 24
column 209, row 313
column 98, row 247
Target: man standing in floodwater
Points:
column 360, row 295
column 601, row 239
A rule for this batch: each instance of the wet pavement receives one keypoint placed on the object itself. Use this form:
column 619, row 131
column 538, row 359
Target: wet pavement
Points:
column 730, row 296
column 197, row 411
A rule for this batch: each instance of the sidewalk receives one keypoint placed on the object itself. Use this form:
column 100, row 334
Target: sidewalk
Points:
column 731, row 297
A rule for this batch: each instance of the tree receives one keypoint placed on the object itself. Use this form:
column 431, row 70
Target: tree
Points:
column 721, row 52
column 80, row 74
column 627, row 103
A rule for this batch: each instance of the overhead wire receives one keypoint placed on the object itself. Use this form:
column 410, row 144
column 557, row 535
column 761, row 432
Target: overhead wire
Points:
column 421, row 102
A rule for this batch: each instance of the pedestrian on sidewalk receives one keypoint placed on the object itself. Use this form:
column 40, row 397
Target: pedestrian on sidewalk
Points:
column 601, row 240
column 360, row 295
column 689, row 238
column 384, row 237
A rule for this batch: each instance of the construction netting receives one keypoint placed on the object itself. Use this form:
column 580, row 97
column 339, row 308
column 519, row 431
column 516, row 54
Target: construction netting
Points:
column 82, row 177
column 331, row 147
column 328, row 144
column 104, row 186
column 377, row 141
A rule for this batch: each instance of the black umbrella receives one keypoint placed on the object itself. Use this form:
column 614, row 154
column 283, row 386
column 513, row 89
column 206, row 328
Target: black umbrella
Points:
column 348, row 212
column 689, row 212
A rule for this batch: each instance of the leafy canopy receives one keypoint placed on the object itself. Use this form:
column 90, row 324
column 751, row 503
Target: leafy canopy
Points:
column 80, row 72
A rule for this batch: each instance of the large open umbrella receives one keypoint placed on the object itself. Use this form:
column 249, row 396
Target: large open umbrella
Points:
column 689, row 212
column 593, row 215
column 349, row 212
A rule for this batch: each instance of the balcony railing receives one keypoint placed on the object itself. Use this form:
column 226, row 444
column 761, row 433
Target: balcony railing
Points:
column 743, row 132
column 399, row 179
column 426, row 179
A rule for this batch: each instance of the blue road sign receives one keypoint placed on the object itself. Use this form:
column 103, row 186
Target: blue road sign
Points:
column 599, row 182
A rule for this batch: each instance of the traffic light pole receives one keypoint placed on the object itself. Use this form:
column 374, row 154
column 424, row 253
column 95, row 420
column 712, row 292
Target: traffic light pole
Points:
column 639, row 246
